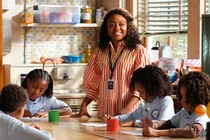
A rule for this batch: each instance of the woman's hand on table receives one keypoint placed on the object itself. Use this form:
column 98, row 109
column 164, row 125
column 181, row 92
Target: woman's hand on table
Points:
column 83, row 112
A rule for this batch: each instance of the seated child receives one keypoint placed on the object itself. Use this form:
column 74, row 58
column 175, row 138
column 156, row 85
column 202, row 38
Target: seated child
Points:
column 12, row 104
column 154, row 87
column 193, row 89
column 39, row 86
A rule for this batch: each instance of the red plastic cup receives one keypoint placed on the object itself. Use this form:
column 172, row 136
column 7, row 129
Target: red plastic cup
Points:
column 112, row 125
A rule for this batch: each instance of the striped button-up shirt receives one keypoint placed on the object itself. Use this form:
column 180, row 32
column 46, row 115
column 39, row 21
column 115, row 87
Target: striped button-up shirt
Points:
column 97, row 74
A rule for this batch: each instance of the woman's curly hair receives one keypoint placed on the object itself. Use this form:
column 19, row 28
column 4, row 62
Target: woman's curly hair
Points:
column 154, row 80
column 131, row 39
column 197, row 88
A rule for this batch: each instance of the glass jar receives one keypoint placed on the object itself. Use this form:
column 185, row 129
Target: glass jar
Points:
column 29, row 16
column 87, row 14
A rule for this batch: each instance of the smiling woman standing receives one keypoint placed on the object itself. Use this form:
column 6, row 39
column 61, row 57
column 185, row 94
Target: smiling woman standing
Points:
column 111, row 65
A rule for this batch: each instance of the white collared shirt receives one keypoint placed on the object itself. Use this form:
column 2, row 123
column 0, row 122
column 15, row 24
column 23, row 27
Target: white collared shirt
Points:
column 44, row 104
column 14, row 129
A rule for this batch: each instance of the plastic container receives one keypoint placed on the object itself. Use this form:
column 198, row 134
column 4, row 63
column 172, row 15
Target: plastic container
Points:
column 112, row 125
column 75, row 58
column 99, row 16
column 53, row 116
column 59, row 14
column 36, row 14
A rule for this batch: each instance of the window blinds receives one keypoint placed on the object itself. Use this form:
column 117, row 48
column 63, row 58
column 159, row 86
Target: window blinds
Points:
column 162, row 16
column 207, row 6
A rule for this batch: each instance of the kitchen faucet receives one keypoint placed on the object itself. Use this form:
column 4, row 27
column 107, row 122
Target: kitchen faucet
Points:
column 47, row 60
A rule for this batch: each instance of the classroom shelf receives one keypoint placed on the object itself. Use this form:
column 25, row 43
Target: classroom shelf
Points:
column 80, row 25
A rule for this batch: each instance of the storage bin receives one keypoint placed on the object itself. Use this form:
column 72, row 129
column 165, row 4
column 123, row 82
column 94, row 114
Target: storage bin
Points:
column 72, row 58
column 59, row 14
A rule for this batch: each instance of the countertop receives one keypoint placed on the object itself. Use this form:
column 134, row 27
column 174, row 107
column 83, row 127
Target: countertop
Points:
column 70, row 93
column 48, row 65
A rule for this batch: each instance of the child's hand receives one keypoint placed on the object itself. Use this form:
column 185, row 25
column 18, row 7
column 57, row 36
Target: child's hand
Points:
column 150, row 132
column 106, row 117
column 27, row 114
column 129, row 123
column 146, row 122
column 35, row 126
column 41, row 115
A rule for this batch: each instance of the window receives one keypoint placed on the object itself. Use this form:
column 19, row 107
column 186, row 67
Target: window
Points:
column 176, row 42
column 162, row 16
column 165, row 21
column 207, row 6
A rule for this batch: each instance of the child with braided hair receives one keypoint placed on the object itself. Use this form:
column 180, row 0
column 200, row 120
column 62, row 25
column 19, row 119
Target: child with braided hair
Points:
column 39, row 86
column 193, row 89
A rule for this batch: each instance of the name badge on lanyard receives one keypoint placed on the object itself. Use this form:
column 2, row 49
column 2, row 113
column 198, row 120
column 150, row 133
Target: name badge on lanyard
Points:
column 111, row 80
column 110, row 84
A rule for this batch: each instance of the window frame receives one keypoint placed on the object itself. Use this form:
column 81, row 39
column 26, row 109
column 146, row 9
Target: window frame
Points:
column 194, row 24
column 171, row 17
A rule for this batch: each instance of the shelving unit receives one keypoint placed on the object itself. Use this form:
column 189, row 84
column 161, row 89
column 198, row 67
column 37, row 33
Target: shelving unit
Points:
column 80, row 25
column 27, row 27
column 38, row 25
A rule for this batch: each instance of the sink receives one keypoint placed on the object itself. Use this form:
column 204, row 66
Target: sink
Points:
column 68, row 91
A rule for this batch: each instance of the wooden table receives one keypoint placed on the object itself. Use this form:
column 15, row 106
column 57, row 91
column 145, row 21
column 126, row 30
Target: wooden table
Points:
column 71, row 129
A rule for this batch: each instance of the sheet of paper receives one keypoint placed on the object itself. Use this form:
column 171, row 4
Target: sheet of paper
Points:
column 94, row 124
column 27, row 119
column 95, row 120
column 136, row 132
